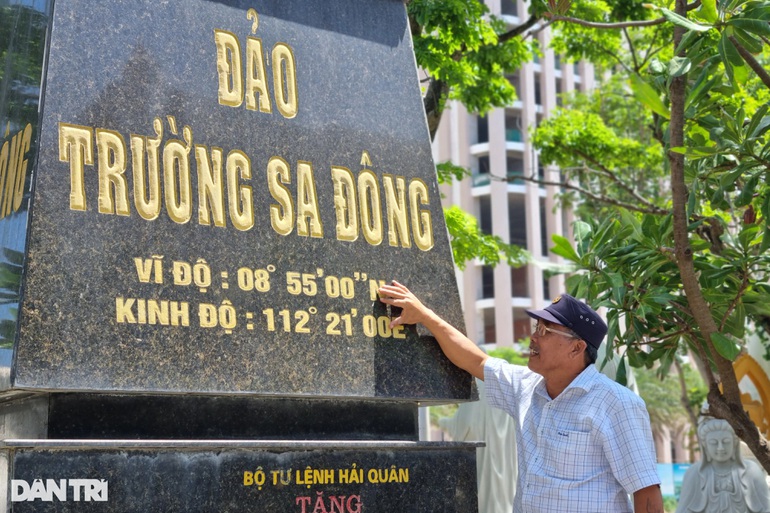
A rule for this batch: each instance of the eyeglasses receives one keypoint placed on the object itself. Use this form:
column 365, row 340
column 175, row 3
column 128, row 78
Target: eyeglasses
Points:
column 541, row 329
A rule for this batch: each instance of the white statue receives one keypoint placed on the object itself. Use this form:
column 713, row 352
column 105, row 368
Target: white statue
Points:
column 723, row 482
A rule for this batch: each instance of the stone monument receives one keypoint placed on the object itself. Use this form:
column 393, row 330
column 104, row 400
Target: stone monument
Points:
column 723, row 481
column 198, row 202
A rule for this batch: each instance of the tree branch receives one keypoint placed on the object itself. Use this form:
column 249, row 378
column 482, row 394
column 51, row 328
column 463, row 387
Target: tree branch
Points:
column 518, row 30
column 618, row 25
column 538, row 28
column 678, row 333
column 751, row 61
column 650, row 52
column 584, row 192
column 685, row 398
column 612, row 176
column 603, row 25
column 433, row 102
column 734, row 302
column 617, row 58
column 631, row 49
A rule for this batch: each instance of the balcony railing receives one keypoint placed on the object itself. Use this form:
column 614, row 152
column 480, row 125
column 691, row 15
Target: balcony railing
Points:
column 480, row 179
column 513, row 135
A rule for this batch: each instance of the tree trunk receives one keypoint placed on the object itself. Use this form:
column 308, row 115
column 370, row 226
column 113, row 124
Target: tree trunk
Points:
column 685, row 398
column 724, row 403
column 434, row 100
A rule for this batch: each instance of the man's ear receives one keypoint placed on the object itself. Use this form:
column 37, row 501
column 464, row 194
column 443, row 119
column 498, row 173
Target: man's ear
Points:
column 579, row 348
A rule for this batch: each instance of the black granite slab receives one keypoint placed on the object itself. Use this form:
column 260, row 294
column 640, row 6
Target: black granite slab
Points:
column 272, row 293
column 349, row 478
column 100, row 416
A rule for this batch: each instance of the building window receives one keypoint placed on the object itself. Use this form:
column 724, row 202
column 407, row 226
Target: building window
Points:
column 559, row 100
column 485, row 214
column 490, row 330
column 538, row 92
column 482, row 129
column 487, row 282
column 513, row 126
column 509, row 7
column 515, row 81
column 522, row 325
column 514, row 169
column 517, row 220
column 481, row 171
column 543, row 229
column 519, row 282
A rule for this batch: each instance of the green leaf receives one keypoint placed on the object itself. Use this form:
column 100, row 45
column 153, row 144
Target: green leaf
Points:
column 582, row 230
column 621, row 376
column 749, row 42
column 708, row 10
column 700, row 89
column 747, row 192
column 617, row 285
column 582, row 286
column 646, row 94
column 758, row 27
column 747, row 235
column 759, row 10
column 695, row 151
column 759, row 122
column 612, row 331
column 448, row 172
column 725, row 346
column 730, row 52
column 691, row 201
column 765, row 240
column 564, row 249
column 722, row 46
column 688, row 40
column 679, row 66
column 729, row 178
column 684, row 22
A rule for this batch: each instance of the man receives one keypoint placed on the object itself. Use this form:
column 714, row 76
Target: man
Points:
column 584, row 441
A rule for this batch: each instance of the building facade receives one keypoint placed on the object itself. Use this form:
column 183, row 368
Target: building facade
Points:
column 498, row 151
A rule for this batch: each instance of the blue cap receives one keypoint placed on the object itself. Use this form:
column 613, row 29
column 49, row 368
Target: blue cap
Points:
column 575, row 315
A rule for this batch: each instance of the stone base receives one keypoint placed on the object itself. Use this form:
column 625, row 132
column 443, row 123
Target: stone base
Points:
column 237, row 476
column 188, row 417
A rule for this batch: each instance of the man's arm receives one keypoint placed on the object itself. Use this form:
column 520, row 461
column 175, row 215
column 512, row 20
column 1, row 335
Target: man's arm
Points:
column 457, row 347
column 648, row 500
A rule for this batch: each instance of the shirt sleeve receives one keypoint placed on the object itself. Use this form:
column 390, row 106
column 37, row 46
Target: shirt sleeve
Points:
column 505, row 384
column 628, row 445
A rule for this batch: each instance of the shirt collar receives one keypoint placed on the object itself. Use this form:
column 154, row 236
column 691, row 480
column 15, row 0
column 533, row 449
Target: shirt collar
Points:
column 583, row 381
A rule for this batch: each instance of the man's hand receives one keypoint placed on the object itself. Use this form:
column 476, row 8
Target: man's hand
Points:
column 648, row 500
column 456, row 346
column 412, row 310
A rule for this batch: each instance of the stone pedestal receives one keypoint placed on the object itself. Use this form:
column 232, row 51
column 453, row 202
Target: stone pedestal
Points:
column 198, row 202
column 255, row 476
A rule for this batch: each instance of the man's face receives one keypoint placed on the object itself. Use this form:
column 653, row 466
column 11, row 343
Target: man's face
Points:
column 549, row 349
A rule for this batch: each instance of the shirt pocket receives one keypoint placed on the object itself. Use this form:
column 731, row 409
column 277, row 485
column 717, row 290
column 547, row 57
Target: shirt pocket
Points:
column 571, row 455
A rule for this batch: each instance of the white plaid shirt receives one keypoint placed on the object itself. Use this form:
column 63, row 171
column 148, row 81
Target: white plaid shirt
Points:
column 584, row 451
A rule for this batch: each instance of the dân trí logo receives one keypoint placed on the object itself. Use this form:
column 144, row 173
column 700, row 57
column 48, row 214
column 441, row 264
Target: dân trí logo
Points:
column 62, row 489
